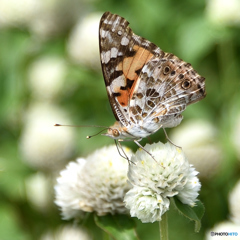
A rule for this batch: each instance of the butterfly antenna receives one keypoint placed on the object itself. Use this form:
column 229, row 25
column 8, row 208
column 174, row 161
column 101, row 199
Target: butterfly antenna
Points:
column 97, row 133
column 65, row 125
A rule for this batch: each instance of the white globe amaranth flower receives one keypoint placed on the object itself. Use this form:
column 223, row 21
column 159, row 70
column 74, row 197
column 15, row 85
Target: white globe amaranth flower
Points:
column 67, row 232
column 147, row 205
column 42, row 145
column 83, row 46
column 14, row 13
column 198, row 138
column 39, row 191
column 234, row 200
column 155, row 181
column 95, row 184
column 223, row 12
column 46, row 76
column 67, row 190
column 223, row 229
column 55, row 17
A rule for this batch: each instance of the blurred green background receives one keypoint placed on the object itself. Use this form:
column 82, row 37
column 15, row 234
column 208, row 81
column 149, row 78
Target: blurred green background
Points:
column 50, row 73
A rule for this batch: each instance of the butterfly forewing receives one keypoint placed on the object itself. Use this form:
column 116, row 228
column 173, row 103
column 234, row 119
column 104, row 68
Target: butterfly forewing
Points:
column 123, row 55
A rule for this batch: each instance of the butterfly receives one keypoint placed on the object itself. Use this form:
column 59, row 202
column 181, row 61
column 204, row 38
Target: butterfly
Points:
column 147, row 88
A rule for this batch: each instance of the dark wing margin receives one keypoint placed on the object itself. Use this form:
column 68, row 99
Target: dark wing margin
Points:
column 111, row 55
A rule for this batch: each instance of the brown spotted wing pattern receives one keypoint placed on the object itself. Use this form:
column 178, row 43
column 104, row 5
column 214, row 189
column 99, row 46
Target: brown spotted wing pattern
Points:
column 147, row 88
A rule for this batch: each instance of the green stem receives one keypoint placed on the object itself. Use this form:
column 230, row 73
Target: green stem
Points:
column 163, row 227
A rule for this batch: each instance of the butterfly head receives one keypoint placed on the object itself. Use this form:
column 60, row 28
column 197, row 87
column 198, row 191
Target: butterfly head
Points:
column 114, row 131
column 117, row 131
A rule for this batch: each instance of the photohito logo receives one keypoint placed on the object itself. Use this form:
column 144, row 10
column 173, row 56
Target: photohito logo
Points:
column 230, row 234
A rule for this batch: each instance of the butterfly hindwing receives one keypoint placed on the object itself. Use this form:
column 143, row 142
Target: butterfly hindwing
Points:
column 167, row 86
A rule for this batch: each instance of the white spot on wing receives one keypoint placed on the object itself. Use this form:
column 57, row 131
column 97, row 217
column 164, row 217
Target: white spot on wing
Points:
column 117, row 83
column 146, row 43
column 137, row 39
column 114, row 52
column 147, row 70
column 103, row 33
column 106, row 56
column 115, row 24
column 107, row 21
column 124, row 41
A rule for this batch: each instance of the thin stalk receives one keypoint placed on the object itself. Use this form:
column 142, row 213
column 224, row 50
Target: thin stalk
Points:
column 163, row 227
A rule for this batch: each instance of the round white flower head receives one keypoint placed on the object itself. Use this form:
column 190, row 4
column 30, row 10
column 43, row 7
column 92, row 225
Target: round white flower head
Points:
column 95, row 184
column 14, row 13
column 46, row 76
column 199, row 142
column 53, row 17
column 234, row 200
column 42, row 145
column 67, row 232
column 39, row 191
column 223, row 12
column 155, row 181
column 68, row 196
column 83, row 45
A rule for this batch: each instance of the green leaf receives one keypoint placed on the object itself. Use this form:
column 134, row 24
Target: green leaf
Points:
column 119, row 227
column 193, row 213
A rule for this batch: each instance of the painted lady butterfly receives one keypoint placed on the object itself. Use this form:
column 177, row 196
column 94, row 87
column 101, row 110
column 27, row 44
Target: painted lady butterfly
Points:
column 147, row 88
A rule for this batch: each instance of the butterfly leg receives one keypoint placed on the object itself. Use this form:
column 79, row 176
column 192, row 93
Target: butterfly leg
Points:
column 170, row 139
column 136, row 141
column 119, row 146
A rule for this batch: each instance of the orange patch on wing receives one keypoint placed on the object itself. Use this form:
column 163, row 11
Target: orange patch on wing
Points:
column 132, row 64
column 129, row 66
column 123, row 98
column 119, row 67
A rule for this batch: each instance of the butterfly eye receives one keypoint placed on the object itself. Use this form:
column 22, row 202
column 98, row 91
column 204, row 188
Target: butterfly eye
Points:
column 115, row 133
column 186, row 84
